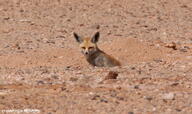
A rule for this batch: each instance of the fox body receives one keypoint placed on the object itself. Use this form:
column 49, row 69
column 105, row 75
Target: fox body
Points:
column 93, row 54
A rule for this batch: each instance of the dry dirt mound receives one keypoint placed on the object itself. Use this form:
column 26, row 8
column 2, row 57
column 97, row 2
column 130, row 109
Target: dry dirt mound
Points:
column 127, row 51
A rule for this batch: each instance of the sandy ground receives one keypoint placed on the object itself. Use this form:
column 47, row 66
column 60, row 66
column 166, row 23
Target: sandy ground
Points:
column 41, row 66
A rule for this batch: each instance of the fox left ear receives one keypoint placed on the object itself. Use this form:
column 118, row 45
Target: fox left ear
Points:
column 77, row 37
column 95, row 38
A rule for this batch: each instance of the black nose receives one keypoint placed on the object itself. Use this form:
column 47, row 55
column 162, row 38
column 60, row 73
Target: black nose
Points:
column 86, row 53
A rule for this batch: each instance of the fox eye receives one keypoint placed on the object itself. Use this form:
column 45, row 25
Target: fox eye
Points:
column 91, row 47
column 83, row 47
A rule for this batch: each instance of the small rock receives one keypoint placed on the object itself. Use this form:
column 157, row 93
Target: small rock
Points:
column 81, row 25
column 25, row 20
column 40, row 82
column 17, row 46
column 130, row 112
column 2, row 97
column 169, row 110
column 67, row 67
column 95, row 26
column 47, row 79
column 171, row 45
column 154, row 109
column 158, row 60
column 109, row 33
column 148, row 98
column 98, row 27
column 50, row 42
column 6, row 18
column 157, row 45
column 183, row 50
column 60, row 57
column 91, row 93
column 117, row 35
column 115, row 26
column 45, row 40
column 55, row 76
column 61, row 36
column 136, row 87
column 68, row 20
column 63, row 89
column 178, row 110
column 139, row 71
column 120, row 98
column 189, row 57
column 113, row 94
column 175, row 84
column 73, row 79
column 133, row 68
column 3, row 93
column 95, row 97
column 119, row 88
column 6, row 46
column 111, row 75
column 21, row 10
column 104, row 100
column 168, row 96
column 186, row 47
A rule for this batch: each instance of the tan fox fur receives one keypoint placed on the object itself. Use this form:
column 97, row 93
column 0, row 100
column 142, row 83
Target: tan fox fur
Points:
column 93, row 54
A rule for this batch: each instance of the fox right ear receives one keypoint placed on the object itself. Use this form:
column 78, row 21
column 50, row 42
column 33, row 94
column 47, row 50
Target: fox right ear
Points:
column 77, row 37
column 95, row 38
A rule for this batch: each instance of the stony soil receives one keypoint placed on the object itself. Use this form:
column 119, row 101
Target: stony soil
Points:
column 41, row 66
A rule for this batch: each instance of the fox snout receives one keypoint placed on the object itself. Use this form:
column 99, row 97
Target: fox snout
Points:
column 85, row 52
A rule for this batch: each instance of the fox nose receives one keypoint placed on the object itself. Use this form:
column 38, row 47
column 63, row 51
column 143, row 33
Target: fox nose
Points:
column 86, row 53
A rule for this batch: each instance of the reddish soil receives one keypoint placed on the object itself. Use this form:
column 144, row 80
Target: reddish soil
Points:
column 41, row 66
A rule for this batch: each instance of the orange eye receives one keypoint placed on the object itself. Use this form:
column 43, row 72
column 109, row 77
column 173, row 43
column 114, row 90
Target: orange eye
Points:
column 90, row 48
column 83, row 47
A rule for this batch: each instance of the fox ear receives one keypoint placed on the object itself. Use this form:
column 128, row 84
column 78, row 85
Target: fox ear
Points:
column 77, row 37
column 95, row 38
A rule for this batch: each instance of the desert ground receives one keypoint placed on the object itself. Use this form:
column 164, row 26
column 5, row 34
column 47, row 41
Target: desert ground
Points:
column 42, row 68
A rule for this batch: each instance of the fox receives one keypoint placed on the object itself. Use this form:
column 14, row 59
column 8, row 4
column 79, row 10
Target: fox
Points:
column 93, row 54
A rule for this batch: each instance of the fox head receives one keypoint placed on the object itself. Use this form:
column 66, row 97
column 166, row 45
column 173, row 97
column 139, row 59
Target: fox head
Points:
column 88, row 45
